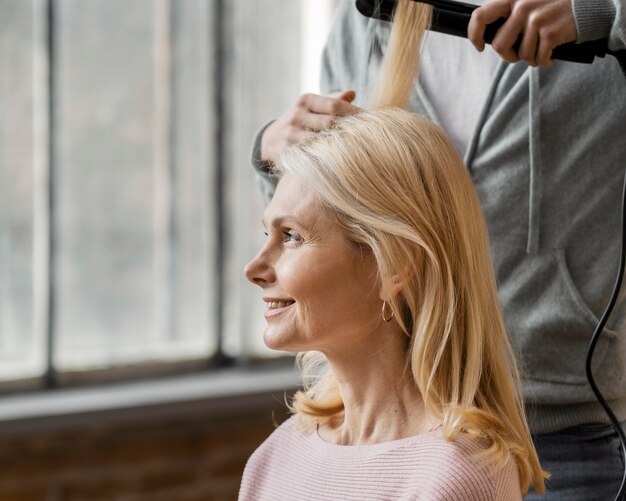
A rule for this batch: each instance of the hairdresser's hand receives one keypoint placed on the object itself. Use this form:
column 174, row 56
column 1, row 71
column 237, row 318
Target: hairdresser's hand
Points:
column 309, row 114
column 544, row 24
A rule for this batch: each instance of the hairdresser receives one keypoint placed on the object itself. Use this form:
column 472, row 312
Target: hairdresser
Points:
column 543, row 142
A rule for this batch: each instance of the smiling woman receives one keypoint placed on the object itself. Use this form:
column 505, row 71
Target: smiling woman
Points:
column 310, row 276
column 376, row 270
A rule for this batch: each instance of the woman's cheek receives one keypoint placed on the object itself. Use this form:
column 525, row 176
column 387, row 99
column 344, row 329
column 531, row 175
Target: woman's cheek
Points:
column 294, row 276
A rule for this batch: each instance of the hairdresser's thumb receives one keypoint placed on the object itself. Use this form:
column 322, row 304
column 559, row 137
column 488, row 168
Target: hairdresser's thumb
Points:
column 346, row 95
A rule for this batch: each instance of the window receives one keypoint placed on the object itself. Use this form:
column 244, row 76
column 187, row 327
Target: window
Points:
column 128, row 207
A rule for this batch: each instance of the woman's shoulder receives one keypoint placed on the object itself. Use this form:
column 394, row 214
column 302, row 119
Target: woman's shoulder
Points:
column 458, row 473
column 283, row 438
column 293, row 429
column 276, row 461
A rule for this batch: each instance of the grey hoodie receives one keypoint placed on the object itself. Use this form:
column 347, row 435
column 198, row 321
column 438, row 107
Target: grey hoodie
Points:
column 548, row 158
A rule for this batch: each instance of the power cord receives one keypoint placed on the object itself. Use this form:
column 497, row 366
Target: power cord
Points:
column 596, row 335
column 621, row 59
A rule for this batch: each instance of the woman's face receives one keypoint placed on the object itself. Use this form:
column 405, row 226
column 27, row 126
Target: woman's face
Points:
column 321, row 291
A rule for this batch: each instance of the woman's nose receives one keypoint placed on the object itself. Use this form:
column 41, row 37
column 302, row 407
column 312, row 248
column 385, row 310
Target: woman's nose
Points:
column 259, row 272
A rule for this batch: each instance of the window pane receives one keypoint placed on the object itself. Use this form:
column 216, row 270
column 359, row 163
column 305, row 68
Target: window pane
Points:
column 21, row 344
column 276, row 48
column 133, row 176
column 133, row 218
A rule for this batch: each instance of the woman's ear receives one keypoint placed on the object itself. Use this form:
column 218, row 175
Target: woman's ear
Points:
column 397, row 283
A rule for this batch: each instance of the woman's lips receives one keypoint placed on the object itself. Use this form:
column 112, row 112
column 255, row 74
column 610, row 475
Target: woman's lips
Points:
column 277, row 307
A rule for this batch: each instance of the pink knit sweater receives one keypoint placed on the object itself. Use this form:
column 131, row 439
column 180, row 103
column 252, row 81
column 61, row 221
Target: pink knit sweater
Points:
column 292, row 465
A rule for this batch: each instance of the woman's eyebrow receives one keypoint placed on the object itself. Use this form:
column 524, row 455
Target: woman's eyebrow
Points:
column 279, row 220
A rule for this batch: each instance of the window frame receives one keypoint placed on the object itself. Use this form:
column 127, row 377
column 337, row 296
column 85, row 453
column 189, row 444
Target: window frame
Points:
column 55, row 381
column 44, row 254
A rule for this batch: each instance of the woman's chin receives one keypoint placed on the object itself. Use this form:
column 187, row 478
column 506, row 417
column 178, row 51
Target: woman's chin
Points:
column 279, row 341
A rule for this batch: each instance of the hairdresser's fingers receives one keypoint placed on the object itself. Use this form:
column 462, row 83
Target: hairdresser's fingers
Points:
column 328, row 105
column 543, row 25
column 310, row 112
column 544, row 54
column 548, row 24
column 316, row 121
column 556, row 26
column 301, row 137
column 274, row 141
column 528, row 48
column 279, row 136
column 313, row 112
column 344, row 95
column 483, row 16
column 282, row 132
column 504, row 41
column 322, row 110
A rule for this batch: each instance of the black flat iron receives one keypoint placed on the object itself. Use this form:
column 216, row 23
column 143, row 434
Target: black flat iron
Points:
column 452, row 18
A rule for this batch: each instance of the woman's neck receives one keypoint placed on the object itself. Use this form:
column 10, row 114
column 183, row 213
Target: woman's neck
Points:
column 381, row 400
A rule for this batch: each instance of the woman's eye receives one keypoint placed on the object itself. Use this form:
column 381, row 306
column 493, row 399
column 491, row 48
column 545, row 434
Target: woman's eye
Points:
column 292, row 236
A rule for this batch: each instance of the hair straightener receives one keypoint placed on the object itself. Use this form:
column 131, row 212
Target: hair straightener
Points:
column 452, row 18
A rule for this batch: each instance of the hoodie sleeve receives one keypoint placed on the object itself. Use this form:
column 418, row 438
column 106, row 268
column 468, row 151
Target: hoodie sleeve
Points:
column 265, row 179
column 597, row 19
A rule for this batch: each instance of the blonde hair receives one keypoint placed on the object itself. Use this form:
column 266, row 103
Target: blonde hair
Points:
column 401, row 62
column 394, row 184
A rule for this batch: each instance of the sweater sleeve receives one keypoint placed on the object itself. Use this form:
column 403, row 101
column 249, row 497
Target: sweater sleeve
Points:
column 597, row 19
column 265, row 179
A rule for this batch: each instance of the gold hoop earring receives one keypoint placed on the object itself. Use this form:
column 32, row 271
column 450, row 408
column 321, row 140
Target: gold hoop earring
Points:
column 385, row 317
